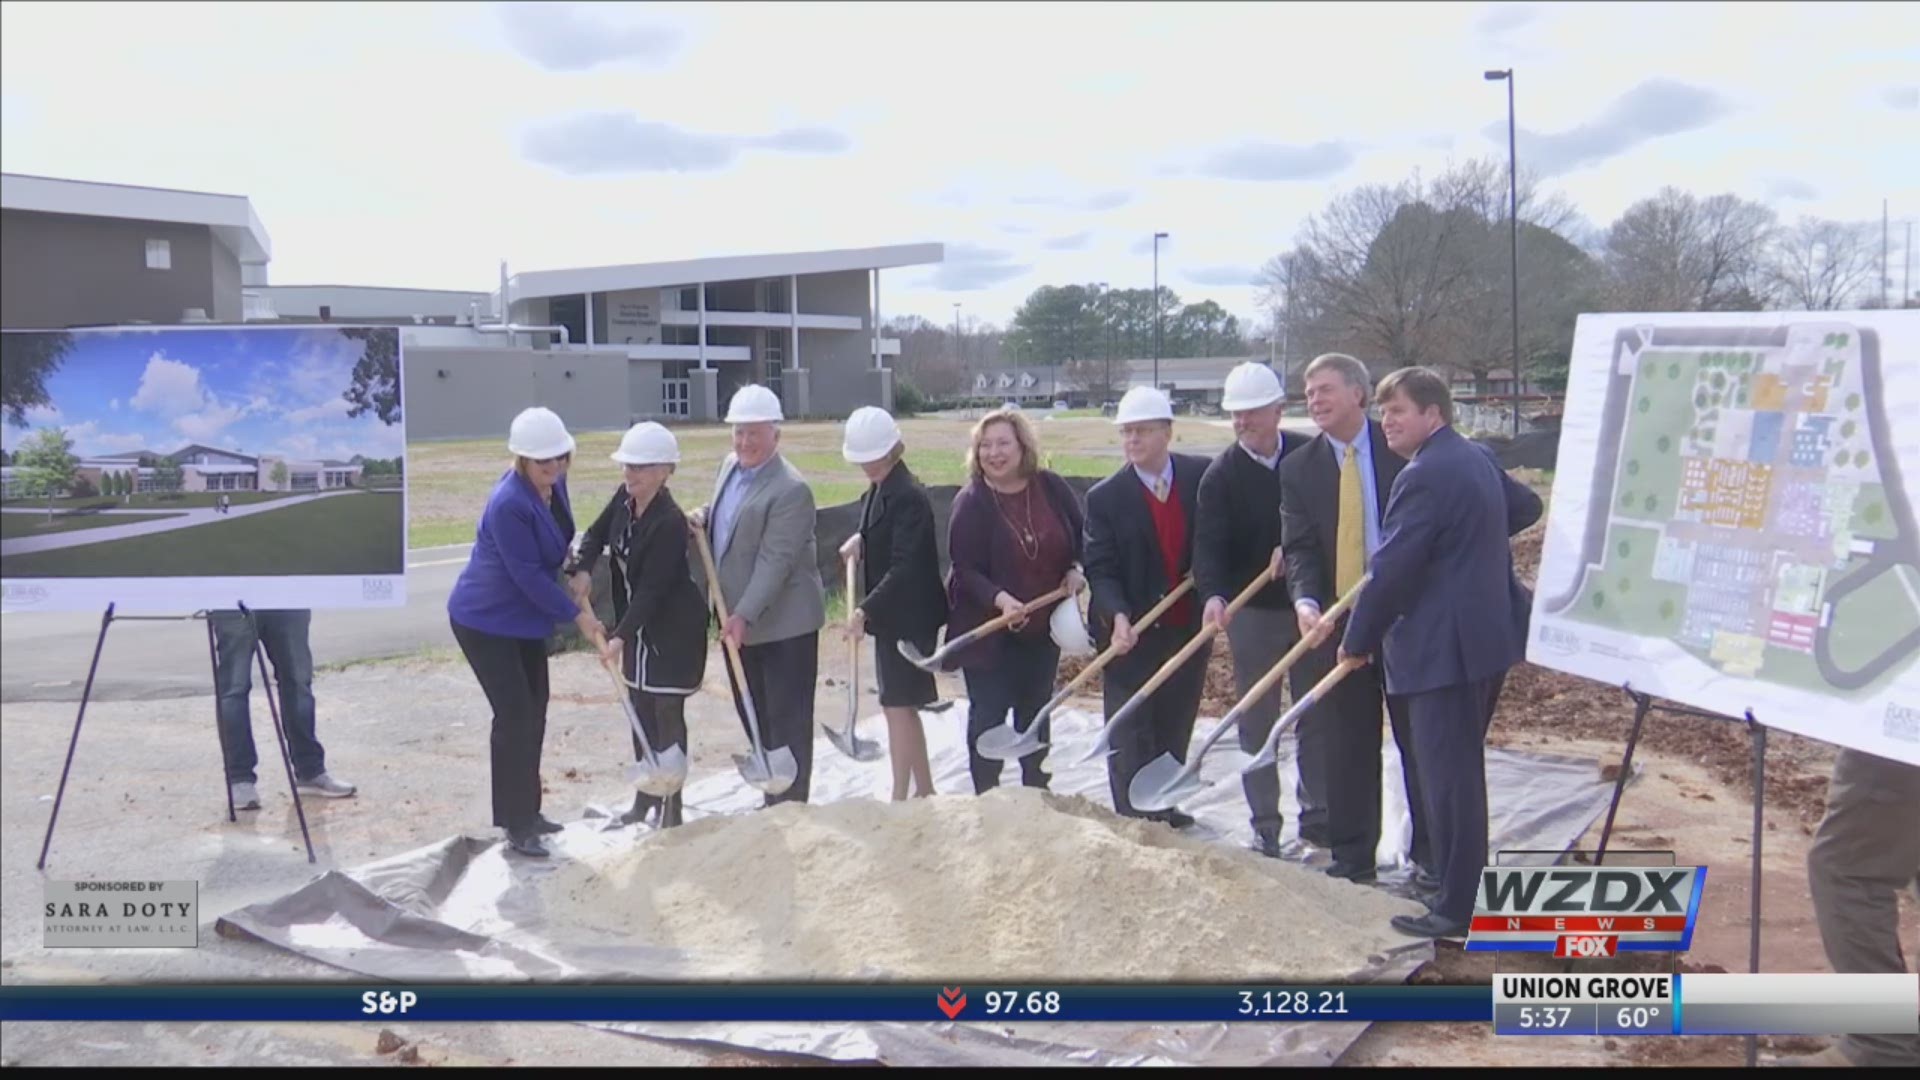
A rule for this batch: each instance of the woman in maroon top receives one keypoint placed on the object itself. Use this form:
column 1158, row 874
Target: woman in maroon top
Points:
column 1015, row 534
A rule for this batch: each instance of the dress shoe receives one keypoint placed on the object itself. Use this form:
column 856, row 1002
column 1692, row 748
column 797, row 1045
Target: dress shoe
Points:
column 1267, row 843
column 545, row 827
column 1359, row 875
column 1425, row 880
column 526, row 842
column 643, row 805
column 1430, row 925
column 1315, row 835
column 1178, row 819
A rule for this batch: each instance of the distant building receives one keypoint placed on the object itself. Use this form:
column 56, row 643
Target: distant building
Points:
column 206, row 468
column 74, row 253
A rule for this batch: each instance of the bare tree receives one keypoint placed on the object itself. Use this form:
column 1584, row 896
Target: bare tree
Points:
column 1819, row 265
column 1677, row 252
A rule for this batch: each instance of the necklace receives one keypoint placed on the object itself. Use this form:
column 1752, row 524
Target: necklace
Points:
column 1029, row 544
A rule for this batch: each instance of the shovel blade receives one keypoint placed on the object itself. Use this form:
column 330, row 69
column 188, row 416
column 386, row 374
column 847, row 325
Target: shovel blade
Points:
column 915, row 657
column 851, row 744
column 665, row 774
column 1008, row 743
column 1161, row 784
column 773, row 774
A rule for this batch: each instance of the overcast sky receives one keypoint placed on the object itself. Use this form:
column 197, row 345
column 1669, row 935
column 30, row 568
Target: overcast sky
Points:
column 417, row 145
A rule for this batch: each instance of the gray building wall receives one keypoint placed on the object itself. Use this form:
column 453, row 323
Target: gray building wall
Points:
column 483, row 389
column 59, row 270
column 840, row 361
column 225, row 265
column 643, row 386
column 348, row 302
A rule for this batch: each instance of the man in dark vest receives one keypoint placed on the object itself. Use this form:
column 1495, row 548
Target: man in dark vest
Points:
column 1238, row 536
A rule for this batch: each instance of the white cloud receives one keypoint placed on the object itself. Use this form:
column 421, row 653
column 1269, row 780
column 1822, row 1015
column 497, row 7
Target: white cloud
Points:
column 329, row 409
column 169, row 388
column 206, row 425
column 89, row 440
column 114, row 404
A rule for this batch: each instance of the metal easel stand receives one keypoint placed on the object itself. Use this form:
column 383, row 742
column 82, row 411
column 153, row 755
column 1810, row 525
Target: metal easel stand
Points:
column 1757, row 735
column 107, row 619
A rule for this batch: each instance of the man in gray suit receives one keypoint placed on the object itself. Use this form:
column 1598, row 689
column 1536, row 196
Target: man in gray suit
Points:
column 760, row 524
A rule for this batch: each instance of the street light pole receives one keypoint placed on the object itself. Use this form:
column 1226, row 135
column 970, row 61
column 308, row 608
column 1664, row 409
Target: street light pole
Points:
column 1513, row 235
column 959, row 356
column 1157, row 237
column 1106, row 332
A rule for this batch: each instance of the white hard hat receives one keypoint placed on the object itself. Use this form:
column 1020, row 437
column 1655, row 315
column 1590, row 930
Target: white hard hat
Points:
column 754, row 404
column 871, row 435
column 1251, row 386
column 647, row 443
column 1069, row 630
column 1143, row 403
column 538, row 433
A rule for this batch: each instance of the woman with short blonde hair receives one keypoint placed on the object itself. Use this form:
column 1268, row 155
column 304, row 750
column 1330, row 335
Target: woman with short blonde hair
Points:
column 1022, row 431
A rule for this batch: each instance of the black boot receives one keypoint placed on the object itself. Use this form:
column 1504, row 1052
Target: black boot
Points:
column 670, row 811
column 643, row 805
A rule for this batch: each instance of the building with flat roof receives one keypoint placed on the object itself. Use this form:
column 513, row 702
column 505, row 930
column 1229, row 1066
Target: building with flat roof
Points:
column 76, row 253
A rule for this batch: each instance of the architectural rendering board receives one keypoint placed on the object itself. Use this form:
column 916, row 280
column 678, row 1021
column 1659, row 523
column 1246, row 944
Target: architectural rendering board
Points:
column 177, row 469
column 1732, row 522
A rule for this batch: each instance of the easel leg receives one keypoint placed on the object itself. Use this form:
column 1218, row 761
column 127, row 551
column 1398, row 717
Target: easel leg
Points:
column 279, row 730
column 1642, row 704
column 219, row 729
column 86, row 692
column 1759, row 734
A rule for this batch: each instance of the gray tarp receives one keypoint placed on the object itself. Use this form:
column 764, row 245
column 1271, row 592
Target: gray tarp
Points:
column 460, row 910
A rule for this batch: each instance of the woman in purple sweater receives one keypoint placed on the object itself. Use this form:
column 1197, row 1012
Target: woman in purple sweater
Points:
column 1016, row 533
column 504, row 607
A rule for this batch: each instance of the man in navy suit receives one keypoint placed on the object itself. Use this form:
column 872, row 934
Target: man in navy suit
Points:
column 1442, row 567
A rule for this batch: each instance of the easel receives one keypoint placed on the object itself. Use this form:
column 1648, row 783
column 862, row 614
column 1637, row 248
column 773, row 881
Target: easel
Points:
column 213, row 658
column 1757, row 733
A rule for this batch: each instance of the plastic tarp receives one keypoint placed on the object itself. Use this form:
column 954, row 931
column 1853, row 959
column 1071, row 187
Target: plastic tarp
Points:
column 461, row 910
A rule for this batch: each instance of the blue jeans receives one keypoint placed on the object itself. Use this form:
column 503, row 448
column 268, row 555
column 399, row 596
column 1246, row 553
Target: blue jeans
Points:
column 284, row 633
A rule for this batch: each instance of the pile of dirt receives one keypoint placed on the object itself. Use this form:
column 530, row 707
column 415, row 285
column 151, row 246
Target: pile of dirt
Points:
column 961, row 889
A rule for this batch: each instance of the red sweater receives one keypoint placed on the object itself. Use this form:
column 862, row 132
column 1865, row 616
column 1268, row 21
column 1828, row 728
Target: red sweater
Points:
column 1170, row 527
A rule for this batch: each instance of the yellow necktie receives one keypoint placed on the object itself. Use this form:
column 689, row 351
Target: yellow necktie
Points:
column 1160, row 488
column 1350, row 543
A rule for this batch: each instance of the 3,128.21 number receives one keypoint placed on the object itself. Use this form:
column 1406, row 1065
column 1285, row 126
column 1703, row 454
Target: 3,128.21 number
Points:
column 1293, row 1003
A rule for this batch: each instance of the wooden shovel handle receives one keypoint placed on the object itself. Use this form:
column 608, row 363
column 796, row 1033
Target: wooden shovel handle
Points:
column 720, row 608
column 1302, row 647
column 1260, row 581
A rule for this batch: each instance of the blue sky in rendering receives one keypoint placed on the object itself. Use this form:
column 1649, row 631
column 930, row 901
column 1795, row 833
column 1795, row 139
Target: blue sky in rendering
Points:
column 256, row 392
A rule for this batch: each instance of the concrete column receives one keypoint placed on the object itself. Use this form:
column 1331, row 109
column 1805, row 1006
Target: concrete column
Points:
column 703, row 395
column 589, row 305
column 703, row 326
column 878, row 363
column 793, row 320
column 881, row 379
column 797, row 397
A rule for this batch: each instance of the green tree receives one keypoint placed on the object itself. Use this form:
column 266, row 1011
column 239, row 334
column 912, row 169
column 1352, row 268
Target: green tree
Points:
column 376, row 376
column 48, row 464
column 26, row 362
column 279, row 475
column 166, row 475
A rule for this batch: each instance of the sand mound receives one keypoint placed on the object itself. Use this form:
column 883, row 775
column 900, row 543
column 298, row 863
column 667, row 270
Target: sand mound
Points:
column 1017, row 884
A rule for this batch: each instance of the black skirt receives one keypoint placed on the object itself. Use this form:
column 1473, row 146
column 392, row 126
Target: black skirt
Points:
column 902, row 685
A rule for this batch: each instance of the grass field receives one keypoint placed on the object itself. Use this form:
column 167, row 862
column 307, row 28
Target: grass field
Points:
column 448, row 482
column 184, row 500
column 346, row 534
column 16, row 526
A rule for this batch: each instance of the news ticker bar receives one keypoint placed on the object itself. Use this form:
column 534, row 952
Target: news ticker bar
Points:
column 1516, row 1004
column 1706, row 1004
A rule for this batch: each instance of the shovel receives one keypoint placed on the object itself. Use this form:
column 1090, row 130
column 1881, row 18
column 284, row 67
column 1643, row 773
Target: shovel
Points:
column 775, row 772
column 1008, row 743
column 1164, row 783
column 1320, row 689
column 849, row 741
column 954, row 645
column 1103, row 743
column 657, row 773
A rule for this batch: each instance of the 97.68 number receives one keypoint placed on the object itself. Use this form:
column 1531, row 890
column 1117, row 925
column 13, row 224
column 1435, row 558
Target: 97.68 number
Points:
column 1014, row 1003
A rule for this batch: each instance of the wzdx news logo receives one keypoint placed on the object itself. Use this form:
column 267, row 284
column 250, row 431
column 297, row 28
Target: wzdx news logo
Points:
column 1586, row 912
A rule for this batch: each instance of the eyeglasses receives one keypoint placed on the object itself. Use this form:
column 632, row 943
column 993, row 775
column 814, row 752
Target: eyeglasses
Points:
column 550, row 460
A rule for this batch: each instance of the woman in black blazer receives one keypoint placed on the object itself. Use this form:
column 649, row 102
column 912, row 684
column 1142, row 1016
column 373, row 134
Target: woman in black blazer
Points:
column 660, row 627
column 905, row 598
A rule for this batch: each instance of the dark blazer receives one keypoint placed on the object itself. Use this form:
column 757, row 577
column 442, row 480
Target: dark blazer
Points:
column 1443, row 570
column 900, row 561
column 981, row 548
column 1240, row 525
column 1310, row 511
column 656, row 606
column 1125, row 570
